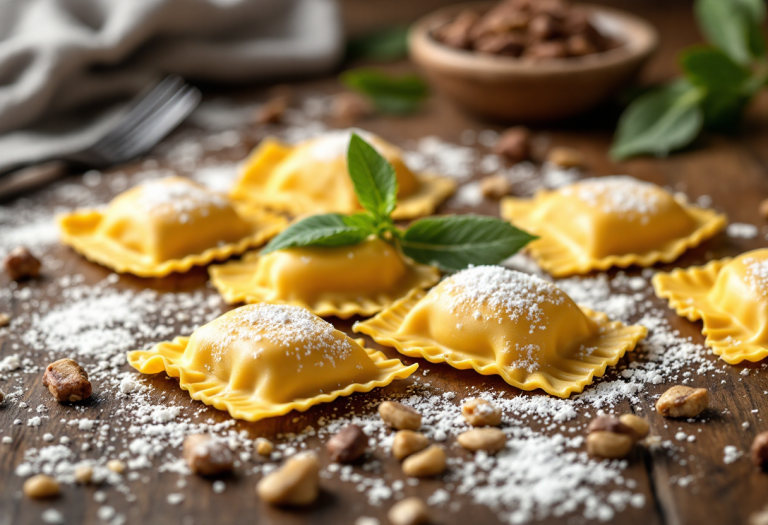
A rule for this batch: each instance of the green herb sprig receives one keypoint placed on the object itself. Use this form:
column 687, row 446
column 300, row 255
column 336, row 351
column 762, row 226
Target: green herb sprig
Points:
column 449, row 242
column 389, row 93
column 718, row 82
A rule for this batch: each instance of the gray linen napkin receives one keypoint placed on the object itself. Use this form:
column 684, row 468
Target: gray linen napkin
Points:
column 60, row 59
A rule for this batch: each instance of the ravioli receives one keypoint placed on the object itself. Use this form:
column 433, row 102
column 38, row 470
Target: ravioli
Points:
column 342, row 281
column 312, row 177
column 598, row 223
column 730, row 296
column 264, row 360
column 167, row 225
column 499, row 321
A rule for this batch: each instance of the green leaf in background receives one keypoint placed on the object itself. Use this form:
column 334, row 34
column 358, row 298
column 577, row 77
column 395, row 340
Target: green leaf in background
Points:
column 373, row 178
column 659, row 121
column 727, row 85
column 455, row 242
column 329, row 229
column 734, row 26
column 390, row 94
column 386, row 45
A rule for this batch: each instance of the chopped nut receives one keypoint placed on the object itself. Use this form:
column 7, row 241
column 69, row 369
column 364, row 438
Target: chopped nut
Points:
column 501, row 44
column 271, row 112
column 760, row 517
column 410, row 511
column 428, row 462
column 608, row 424
column 456, row 33
column 638, row 425
column 514, row 144
column 760, row 450
column 683, row 401
column 399, row 416
column 488, row 439
column 481, row 413
column 348, row 108
column 495, row 186
column 609, row 445
column 67, row 381
column 566, row 157
column 5, row 320
column 545, row 51
column 21, row 264
column 83, row 473
column 764, row 209
column 115, row 465
column 206, row 455
column 408, row 442
column 41, row 486
column 348, row 445
column 264, row 447
column 2, row 396
column 295, row 483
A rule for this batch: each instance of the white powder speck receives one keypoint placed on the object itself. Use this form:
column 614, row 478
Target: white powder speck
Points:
column 740, row 230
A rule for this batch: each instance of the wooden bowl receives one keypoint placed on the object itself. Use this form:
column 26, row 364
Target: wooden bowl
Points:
column 512, row 89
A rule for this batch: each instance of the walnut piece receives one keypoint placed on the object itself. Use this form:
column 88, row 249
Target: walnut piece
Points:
column 490, row 440
column 408, row 442
column 682, row 401
column 481, row 413
column 609, row 445
column 296, row 483
column 399, row 416
column 428, row 462
column 206, row 455
column 21, row 264
column 67, row 381
column 349, row 444
column 410, row 511
column 41, row 486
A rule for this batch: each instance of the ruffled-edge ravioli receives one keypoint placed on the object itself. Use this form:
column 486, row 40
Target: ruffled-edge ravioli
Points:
column 312, row 177
column 499, row 321
column 730, row 296
column 342, row 281
column 167, row 225
column 264, row 360
column 598, row 223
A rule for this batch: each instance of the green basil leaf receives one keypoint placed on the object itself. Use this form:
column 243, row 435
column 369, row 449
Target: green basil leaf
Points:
column 390, row 94
column 386, row 45
column 454, row 242
column 659, row 121
column 373, row 178
column 318, row 230
column 362, row 221
column 733, row 26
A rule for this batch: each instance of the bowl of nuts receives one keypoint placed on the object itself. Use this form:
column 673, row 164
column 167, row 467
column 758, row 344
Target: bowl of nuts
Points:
column 530, row 60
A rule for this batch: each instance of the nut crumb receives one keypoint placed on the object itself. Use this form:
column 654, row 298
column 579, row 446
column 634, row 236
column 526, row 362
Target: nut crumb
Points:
column 638, row 425
column 21, row 264
column 759, row 450
column 296, row 483
column 428, row 462
column 683, row 401
column 407, row 442
column 83, row 473
column 566, row 157
column 349, row 444
column 5, row 320
column 115, row 465
column 264, row 447
column 490, row 440
column 495, row 186
column 348, row 108
column 399, row 416
column 410, row 511
column 67, row 381
column 41, row 486
column 514, row 144
column 206, row 455
column 271, row 112
column 609, row 445
column 481, row 413
column 764, row 209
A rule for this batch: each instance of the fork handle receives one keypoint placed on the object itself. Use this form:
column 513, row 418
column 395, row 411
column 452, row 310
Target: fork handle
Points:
column 20, row 180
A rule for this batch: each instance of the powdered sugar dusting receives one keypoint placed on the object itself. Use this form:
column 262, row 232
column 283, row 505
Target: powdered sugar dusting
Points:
column 621, row 195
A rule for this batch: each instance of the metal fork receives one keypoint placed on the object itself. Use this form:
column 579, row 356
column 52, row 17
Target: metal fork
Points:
column 151, row 118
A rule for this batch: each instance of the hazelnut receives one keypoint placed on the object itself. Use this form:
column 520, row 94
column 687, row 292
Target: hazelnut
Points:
column 495, row 186
column 41, row 486
column 296, row 483
column 490, row 440
column 514, row 144
column 609, row 445
column 21, row 264
column 349, row 444
column 410, row 511
column 399, row 416
column 206, row 455
column 408, row 442
column 481, row 413
column 565, row 157
column 759, row 450
column 264, row 447
column 67, row 381
column 683, row 401
column 638, row 425
column 608, row 424
column 428, row 462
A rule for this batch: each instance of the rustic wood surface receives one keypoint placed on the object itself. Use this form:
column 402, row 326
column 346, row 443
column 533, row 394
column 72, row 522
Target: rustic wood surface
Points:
column 732, row 170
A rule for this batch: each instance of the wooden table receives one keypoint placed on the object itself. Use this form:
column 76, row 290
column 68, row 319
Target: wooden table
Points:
column 732, row 170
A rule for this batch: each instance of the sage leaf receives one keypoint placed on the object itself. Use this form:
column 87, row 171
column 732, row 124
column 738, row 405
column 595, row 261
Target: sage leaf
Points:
column 389, row 94
column 386, row 45
column 733, row 26
column 458, row 241
column 659, row 121
column 373, row 178
column 328, row 230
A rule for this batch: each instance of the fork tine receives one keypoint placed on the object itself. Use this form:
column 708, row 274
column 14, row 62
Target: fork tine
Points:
column 149, row 131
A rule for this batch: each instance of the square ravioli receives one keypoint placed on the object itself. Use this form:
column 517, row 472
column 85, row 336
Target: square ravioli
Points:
column 499, row 321
column 311, row 177
column 730, row 296
column 341, row 281
column 167, row 225
column 598, row 223
column 264, row 360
